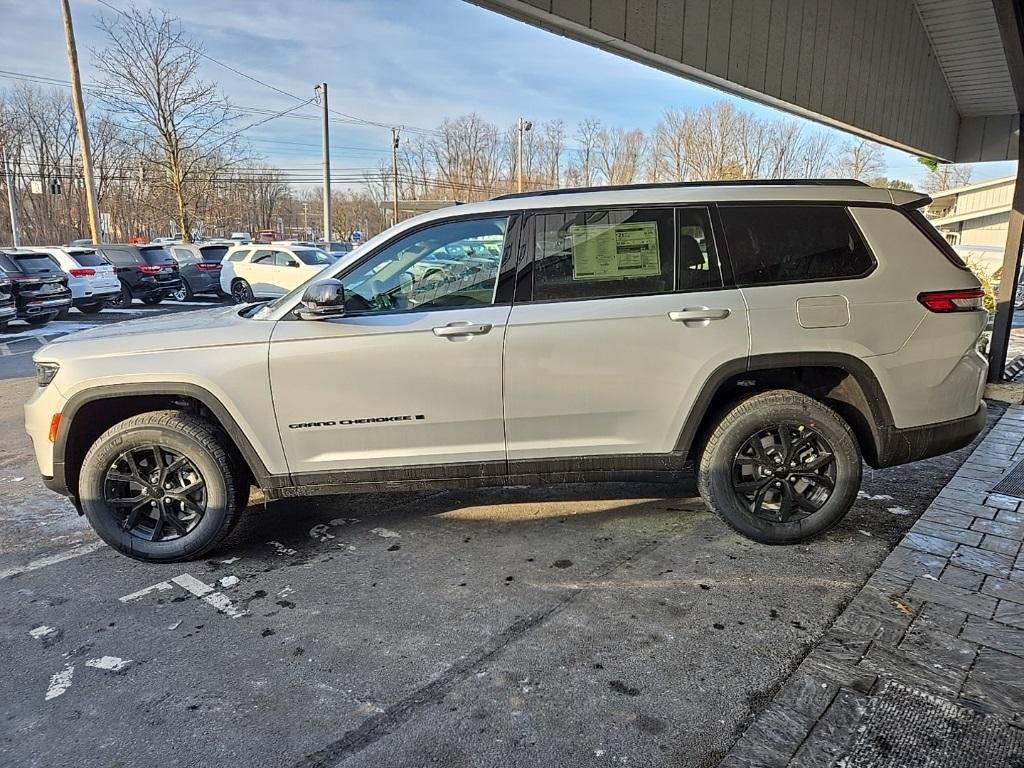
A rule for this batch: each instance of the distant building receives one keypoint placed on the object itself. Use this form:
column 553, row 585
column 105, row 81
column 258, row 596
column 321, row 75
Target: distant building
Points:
column 974, row 219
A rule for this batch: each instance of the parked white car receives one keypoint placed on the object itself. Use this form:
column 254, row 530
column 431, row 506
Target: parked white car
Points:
column 91, row 277
column 269, row 270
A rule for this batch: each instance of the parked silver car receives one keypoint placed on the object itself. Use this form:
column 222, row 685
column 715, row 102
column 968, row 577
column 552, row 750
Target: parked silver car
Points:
column 770, row 334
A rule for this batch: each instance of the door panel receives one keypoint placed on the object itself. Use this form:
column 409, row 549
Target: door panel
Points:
column 614, row 375
column 436, row 398
column 412, row 374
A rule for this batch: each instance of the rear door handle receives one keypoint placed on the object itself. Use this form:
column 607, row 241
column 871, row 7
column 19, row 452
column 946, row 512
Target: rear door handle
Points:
column 697, row 314
column 463, row 328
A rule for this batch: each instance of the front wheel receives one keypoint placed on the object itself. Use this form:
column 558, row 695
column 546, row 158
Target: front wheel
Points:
column 161, row 487
column 152, row 301
column 91, row 309
column 780, row 468
column 63, row 314
column 241, row 292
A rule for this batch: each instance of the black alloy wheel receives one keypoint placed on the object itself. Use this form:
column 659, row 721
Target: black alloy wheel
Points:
column 157, row 493
column 784, row 473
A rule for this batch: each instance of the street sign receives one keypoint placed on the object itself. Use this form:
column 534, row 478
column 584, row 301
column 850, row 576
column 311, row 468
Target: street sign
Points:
column 357, row 236
column 37, row 186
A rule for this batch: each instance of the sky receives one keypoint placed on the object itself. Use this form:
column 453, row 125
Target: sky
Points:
column 388, row 62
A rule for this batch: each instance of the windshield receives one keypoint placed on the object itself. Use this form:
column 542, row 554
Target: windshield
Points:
column 214, row 252
column 88, row 258
column 313, row 256
column 34, row 263
column 157, row 255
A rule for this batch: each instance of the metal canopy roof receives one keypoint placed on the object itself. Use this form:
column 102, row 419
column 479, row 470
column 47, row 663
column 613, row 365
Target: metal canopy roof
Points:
column 942, row 78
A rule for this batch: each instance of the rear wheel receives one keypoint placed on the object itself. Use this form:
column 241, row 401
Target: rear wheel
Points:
column 153, row 300
column 3, row 326
column 123, row 299
column 91, row 309
column 162, row 487
column 241, row 292
column 184, row 293
column 63, row 314
column 781, row 468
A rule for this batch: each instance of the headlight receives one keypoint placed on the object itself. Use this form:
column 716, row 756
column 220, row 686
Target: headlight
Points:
column 45, row 373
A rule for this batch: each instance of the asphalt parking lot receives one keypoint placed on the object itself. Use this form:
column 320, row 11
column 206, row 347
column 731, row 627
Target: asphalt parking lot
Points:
column 566, row 625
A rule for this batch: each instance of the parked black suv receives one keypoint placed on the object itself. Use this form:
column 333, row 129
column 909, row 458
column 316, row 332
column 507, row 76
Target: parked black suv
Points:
column 146, row 272
column 7, row 309
column 40, row 287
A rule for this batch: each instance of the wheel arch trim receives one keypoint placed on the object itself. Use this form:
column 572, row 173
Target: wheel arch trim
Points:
column 881, row 419
column 210, row 401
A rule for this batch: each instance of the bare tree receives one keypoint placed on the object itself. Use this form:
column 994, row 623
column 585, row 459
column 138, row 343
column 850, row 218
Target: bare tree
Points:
column 943, row 176
column 150, row 72
column 860, row 159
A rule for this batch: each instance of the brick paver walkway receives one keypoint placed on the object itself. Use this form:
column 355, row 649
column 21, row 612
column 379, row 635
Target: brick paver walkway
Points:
column 943, row 614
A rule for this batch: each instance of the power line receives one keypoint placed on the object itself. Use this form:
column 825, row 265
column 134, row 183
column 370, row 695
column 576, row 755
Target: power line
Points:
column 200, row 52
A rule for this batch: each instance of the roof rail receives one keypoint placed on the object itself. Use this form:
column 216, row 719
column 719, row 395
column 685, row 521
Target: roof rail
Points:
column 687, row 184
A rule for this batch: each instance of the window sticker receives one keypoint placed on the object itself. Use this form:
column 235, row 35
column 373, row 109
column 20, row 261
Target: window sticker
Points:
column 611, row 251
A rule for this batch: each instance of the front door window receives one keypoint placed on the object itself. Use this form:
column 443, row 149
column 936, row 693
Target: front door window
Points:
column 441, row 267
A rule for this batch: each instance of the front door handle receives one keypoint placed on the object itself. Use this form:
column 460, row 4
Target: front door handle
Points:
column 698, row 314
column 463, row 328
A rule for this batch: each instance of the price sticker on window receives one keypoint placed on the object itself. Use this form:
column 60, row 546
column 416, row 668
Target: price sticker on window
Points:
column 615, row 251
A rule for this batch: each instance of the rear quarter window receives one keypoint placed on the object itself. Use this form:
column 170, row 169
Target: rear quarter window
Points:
column 778, row 244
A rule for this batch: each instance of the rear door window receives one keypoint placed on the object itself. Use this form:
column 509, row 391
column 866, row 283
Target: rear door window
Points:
column 773, row 244
column 264, row 258
column 599, row 254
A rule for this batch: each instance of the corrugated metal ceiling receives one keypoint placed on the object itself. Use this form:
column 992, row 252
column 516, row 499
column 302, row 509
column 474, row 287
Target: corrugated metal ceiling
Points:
column 965, row 40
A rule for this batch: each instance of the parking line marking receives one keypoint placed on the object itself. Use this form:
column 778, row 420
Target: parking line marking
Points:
column 60, row 682
column 206, row 593
column 159, row 587
column 42, row 562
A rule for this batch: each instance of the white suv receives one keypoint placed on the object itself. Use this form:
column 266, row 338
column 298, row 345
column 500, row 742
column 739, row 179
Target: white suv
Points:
column 269, row 270
column 91, row 277
column 771, row 335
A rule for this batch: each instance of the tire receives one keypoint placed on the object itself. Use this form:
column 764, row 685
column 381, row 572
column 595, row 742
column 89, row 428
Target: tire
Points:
column 124, row 300
column 786, row 505
column 241, row 292
column 175, row 434
column 152, row 301
column 42, row 319
column 63, row 314
column 3, row 326
column 91, row 309
column 182, row 294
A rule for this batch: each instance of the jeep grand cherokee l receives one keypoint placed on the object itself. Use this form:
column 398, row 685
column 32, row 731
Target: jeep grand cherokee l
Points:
column 41, row 290
column 771, row 334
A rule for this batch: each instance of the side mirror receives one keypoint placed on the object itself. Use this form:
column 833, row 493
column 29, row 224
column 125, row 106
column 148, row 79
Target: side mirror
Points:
column 322, row 301
column 294, row 264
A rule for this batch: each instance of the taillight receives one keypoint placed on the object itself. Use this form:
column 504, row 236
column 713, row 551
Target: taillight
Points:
column 208, row 266
column 968, row 300
column 84, row 272
column 150, row 270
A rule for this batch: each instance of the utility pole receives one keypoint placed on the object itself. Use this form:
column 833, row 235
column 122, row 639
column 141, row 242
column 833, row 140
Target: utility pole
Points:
column 83, row 128
column 327, row 163
column 12, row 200
column 394, row 170
column 521, row 127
